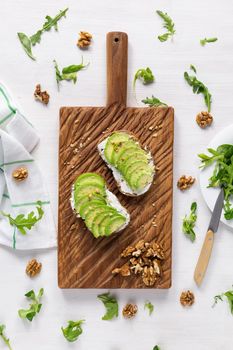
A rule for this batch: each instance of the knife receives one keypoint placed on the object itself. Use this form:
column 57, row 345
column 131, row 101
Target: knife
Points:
column 207, row 246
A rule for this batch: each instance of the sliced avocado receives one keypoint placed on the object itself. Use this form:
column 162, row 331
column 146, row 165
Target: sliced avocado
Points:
column 89, row 191
column 132, row 180
column 130, row 144
column 90, row 205
column 89, row 179
column 78, row 202
column 139, row 170
column 115, row 223
column 96, row 226
column 134, row 166
column 143, row 181
column 131, row 158
column 104, row 223
column 113, row 143
column 91, row 215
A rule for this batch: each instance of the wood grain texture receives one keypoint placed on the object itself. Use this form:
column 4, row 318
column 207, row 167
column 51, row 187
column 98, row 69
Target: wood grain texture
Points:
column 86, row 262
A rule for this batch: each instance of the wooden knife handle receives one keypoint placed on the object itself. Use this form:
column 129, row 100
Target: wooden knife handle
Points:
column 117, row 66
column 204, row 258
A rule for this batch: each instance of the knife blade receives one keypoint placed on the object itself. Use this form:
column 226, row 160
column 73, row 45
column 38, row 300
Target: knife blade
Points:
column 207, row 246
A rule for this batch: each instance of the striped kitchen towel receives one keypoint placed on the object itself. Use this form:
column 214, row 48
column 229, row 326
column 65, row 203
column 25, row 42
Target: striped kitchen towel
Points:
column 17, row 140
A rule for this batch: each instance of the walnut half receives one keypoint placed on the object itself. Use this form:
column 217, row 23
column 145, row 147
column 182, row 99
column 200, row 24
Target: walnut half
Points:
column 130, row 310
column 187, row 298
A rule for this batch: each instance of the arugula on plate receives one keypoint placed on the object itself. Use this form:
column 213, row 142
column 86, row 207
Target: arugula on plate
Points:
column 69, row 72
column 34, row 307
column 25, row 222
column 29, row 41
column 145, row 75
column 207, row 40
column 189, row 223
column 198, row 87
column 228, row 296
column 4, row 337
column 73, row 330
column 110, row 304
column 153, row 102
column 222, row 175
column 149, row 306
column 168, row 25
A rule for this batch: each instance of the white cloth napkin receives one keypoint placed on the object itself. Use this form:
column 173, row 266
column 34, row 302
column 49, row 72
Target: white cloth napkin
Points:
column 17, row 140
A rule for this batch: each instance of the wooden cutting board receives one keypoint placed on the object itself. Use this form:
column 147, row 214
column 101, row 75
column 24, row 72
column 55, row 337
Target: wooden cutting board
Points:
column 86, row 262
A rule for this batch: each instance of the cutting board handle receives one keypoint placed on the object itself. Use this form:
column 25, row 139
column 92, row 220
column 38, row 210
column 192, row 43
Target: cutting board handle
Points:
column 117, row 65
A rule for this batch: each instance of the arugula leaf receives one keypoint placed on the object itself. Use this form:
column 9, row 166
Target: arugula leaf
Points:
column 28, row 42
column 207, row 40
column 23, row 222
column 145, row 75
column 4, row 337
column 149, row 306
column 222, row 175
column 192, row 67
column 228, row 296
column 34, row 307
column 73, row 330
column 153, row 102
column 69, row 72
column 189, row 223
column 156, row 347
column 199, row 88
column 111, row 305
column 168, row 25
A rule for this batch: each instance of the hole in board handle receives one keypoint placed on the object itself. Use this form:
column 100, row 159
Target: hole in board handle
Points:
column 116, row 40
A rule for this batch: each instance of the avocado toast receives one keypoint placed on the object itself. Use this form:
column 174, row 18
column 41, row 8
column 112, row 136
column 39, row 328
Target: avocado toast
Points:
column 97, row 206
column 132, row 166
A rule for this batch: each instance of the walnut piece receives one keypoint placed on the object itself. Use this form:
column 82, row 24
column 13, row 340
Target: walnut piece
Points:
column 130, row 310
column 187, row 298
column 33, row 268
column 20, row 174
column 185, row 182
column 204, row 119
column 143, row 260
column 41, row 96
column 84, row 40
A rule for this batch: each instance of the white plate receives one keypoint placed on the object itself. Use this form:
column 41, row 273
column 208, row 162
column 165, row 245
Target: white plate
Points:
column 210, row 194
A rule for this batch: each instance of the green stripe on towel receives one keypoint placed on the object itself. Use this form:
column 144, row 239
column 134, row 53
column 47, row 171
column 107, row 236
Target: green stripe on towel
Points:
column 7, row 100
column 6, row 195
column 7, row 117
column 29, row 204
column 18, row 162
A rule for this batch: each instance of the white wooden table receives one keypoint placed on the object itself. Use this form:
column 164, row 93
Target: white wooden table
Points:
column 171, row 326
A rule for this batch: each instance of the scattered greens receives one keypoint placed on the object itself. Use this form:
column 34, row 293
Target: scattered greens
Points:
column 153, row 102
column 193, row 68
column 168, row 25
column 198, row 87
column 222, row 175
column 34, row 307
column 69, row 72
column 207, row 40
column 23, row 222
column 189, row 223
column 4, row 337
column 28, row 42
column 228, row 296
column 73, row 330
column 145, row 75
column 149, row 306
column 110, row 304
column 156, row 347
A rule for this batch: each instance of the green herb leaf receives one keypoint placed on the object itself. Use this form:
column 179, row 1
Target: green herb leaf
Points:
column 73, row 330
column 34, row 307
column 149, row 306
column 145, row 75
column 26, row 43
column 207, row 40
column 69, row 72
column 4, row 337
column 23, row 222
column 168, row 25
column 153, row 102
column 193, row 68
column 222, row 175
column 228, row 296
column 111, row 305
column 199, row 88
column 156, row 347
column 189, row 223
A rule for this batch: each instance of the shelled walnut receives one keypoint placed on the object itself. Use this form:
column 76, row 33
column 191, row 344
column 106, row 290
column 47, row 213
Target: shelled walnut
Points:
column 20, row 174
column 204, row 119
column 130, row 310
column 41, row 96
column 144, row 259
column 84, row 40
column 185, row 182
column 187, row 298
column 33, row 268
